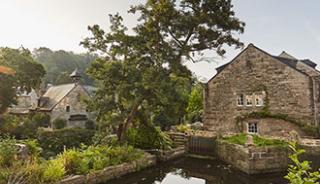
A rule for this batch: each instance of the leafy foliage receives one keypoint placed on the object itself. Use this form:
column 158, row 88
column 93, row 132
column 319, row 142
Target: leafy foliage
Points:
column 300, row 171
column 142, row 76
column 257, row 140
column 194, row 109
column 59, row 123
column 148, row 137
column 54, row 142
column 54, row 171
column 60, row 64
column 22, row 127
column 22, row 73
column 8, row 150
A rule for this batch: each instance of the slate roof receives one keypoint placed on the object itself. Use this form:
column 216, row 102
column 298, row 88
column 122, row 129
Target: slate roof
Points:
column 55, row 94
column 283, row 57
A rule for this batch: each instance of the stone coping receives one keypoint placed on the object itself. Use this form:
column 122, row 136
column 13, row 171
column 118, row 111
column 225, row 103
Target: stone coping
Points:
column 111, row 172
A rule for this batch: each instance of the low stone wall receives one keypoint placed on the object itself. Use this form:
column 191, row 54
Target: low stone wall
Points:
column 163, row 156
column 111, row 172
column 253, row 160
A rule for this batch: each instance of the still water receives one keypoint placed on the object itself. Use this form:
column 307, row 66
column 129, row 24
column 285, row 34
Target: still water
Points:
column 196, row 171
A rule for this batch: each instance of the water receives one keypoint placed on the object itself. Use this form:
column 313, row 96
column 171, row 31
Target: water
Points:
column 196, row 171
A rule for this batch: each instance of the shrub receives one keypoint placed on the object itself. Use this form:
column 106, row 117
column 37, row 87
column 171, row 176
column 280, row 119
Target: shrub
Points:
column 73, row 162
column 59, row 123
column 54, row 171
column 33, row 147
column 8, row 150
column 183, row 128
column 90, row 125
column 41, row 119
column 300, row 172
column 148, row 137
column 54, row 142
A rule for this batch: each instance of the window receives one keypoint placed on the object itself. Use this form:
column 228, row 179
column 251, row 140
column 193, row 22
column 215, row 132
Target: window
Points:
column 258, row 100
column 68, row 108
column 253, row 128
column 248, row 100
column 240, row 100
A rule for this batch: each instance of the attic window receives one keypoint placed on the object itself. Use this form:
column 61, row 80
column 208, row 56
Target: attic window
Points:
column 68, row 108
column 240, row 100
column 249, row 100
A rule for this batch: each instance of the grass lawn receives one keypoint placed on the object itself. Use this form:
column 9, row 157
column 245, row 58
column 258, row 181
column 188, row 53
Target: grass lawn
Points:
column 257, row 140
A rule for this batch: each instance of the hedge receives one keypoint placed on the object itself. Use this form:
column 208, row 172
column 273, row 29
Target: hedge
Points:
column 54, row 142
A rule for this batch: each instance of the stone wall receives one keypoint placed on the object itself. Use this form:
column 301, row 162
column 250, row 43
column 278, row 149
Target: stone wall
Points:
column 254, row 71
column 272, row 127
column 112, row 172
column 75, row 100
column 253, row 160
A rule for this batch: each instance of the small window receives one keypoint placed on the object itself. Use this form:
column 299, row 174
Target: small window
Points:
column 248, row 100
column 253, row 128
column 68, row 108
column 258, row 100
column 240, row 100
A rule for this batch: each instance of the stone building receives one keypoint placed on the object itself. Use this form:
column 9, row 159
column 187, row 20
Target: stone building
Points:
column 265, row 94
column 25, row 103
column 66, row 102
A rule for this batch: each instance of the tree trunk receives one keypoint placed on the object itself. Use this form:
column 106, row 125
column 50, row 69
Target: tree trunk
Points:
column 124, row 127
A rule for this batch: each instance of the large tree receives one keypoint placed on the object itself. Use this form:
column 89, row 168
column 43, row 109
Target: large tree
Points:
column 142, row 74
column 19, row 72
column 7, row 91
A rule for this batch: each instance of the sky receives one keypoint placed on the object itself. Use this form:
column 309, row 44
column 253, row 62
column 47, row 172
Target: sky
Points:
column 272, row 25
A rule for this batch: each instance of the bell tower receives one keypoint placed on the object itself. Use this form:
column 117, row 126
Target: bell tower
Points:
column 75, row 76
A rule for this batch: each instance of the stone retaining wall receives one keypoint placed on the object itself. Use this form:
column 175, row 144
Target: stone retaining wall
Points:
column 253, row 160
column 111, row 172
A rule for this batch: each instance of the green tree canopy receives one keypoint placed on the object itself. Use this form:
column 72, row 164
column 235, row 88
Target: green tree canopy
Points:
column 59, row 65
column 27, row 74
column 194, row 109
column 142, row 74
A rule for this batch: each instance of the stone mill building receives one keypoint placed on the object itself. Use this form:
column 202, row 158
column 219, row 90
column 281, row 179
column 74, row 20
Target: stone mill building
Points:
column 66, row 102
column 264, row 94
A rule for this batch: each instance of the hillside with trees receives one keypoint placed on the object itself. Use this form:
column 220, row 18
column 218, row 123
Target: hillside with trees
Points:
column 59, row 64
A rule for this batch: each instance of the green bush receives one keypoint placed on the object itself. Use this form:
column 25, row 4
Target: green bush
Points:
column 183, row 128
column 54, row 142
column 41, row 119
column 8, row 151
column 148, row 137
column 73, row 162
column 59, row 123
column 54, row 170
column 90, row 125
column 34, row 149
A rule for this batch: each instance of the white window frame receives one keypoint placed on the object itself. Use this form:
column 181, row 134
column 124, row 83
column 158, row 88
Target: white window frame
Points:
column 259, row 99
column 240, row 100
column 252, row 128
column 247, row 100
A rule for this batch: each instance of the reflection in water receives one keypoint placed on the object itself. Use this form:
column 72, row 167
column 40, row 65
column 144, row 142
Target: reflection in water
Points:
column 196, row 171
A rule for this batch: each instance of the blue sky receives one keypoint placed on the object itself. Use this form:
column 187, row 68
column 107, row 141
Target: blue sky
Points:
column 272, row 25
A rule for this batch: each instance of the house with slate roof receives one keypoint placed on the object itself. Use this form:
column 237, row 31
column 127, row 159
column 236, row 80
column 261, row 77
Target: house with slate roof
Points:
column 261, row 93
column 66, row 102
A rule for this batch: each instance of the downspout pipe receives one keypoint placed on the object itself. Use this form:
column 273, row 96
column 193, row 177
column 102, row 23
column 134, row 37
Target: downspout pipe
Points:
column 315, row 108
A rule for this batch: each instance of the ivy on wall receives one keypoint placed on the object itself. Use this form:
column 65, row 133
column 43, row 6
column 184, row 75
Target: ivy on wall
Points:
column 265, row 113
